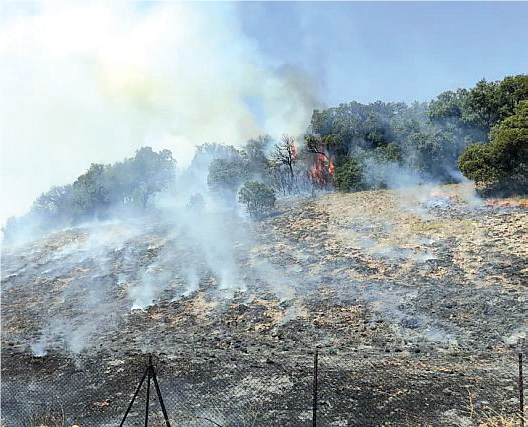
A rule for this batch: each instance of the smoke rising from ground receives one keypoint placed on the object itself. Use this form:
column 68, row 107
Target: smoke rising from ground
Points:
column 87, row 82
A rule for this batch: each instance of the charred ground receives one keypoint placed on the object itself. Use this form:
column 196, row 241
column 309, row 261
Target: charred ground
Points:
column 415, row 299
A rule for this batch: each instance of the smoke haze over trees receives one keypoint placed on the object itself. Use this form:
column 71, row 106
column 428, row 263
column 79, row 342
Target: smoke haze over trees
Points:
column 99, row 192
column 382, row 145
column 479, row 132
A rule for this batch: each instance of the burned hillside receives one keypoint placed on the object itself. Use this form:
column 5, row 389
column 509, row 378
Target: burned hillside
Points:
column 414, row 298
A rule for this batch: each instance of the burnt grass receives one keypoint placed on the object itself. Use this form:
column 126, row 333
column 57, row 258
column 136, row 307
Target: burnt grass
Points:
column 414, row 303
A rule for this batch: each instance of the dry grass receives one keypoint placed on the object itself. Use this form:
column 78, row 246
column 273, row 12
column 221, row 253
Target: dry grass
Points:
column 488, row 417
column 498, row 421
column 48, row 419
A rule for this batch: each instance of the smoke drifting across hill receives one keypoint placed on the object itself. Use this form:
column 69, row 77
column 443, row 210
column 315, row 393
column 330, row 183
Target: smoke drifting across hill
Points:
column 87, row 82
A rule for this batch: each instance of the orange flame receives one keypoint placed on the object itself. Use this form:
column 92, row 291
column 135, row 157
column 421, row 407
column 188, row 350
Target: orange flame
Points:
column 322, row 170
column 294, row 150
column 510, row 203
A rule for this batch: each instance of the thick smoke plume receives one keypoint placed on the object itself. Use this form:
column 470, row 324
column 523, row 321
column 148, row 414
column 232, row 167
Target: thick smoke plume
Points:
column 87, row 82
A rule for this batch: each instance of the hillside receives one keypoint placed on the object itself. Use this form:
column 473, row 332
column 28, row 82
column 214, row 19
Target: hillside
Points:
column 415, row 299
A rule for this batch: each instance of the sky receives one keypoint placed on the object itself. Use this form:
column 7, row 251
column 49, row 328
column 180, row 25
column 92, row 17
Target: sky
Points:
column 392, row 51
column 85, row 82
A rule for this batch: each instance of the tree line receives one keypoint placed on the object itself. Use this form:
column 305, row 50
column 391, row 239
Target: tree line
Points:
column 98, row 193
column 480, row 132
column 468, row 131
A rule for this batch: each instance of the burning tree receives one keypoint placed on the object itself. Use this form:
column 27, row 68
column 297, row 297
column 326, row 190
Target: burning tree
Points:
column 322, row 148
column 286, row 154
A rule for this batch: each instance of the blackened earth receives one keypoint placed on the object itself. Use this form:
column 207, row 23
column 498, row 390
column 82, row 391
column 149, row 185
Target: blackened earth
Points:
column 414, row 300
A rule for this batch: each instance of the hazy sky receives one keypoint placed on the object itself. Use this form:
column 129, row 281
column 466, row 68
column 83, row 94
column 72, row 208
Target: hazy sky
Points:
column 85, row 82
column 392, row 51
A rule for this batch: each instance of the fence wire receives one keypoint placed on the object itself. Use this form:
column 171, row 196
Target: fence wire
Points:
column 249, row 391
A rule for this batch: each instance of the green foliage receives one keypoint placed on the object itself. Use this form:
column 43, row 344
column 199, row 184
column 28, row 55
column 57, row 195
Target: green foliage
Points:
column 348, row 175
column 228, row 168
column 425, row 138
column 489, row 103
column 255, row 154
column 390, row 132
column 258, row 198
column 448, row 105
column 91, row 194
column 477, row 163
column 483, row 106
column 206, row 153
column 227, row 175
column 354, row 125
column 52, row 205
column 388, row 153
column 131, row 183
column 505, row 157
column 149, row 173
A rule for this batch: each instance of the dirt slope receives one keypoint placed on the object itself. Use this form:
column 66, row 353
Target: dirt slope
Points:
column 415, row 298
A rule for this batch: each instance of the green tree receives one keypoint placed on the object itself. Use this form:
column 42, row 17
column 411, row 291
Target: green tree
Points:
column 448, row 105
column 348, row 175
column 90, row 193
column 151, row 173
column 255, row 153
column 481, row 107
column 227, row 175
column 505, row 157
column 54, row 204
column 489, row 103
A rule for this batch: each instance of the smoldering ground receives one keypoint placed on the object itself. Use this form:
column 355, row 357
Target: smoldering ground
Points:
column 392, row 277
column 92, row 278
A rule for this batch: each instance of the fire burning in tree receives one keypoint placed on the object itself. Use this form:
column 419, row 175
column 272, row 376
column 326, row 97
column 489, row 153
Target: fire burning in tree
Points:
column 322, row 170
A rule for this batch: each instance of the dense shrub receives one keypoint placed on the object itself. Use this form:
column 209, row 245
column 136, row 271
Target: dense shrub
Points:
column 348, row 175
column 258, row 198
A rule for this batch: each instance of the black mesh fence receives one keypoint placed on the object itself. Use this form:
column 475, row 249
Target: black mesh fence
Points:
column 252, row 391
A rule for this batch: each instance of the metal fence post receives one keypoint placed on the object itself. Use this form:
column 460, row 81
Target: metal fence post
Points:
column 149, row 369
column 160, row 398
column 521, row 390
column 314, row 390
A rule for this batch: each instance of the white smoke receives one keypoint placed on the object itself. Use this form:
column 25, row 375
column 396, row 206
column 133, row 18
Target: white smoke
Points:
column 92, row 82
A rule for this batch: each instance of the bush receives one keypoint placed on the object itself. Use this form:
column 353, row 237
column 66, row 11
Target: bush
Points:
column 258, row 198
column 348, row 175
column 477, row 163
